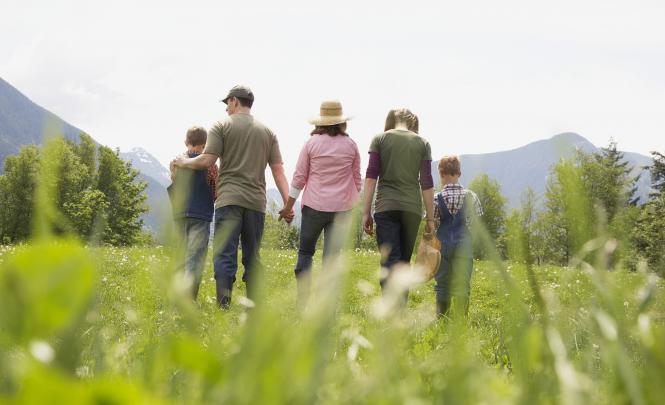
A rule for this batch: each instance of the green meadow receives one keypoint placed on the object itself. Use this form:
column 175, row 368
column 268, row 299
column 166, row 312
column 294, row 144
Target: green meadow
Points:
column 87, row 322
column 115, row 325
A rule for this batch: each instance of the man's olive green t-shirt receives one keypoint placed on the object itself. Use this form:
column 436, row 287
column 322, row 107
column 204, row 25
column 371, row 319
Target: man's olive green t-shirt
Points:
column 245, row 147
column 401, row 153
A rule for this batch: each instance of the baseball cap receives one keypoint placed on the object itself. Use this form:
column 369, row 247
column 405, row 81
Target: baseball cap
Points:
column 239, row 91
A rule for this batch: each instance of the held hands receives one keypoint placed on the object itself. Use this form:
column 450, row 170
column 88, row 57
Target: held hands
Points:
column 368, row 224
column 287, row 214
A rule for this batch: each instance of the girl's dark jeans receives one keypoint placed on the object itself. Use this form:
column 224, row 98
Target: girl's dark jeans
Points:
column 397, row 231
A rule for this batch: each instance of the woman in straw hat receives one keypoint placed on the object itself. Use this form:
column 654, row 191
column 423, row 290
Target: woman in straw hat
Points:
column 400, row 161
column 328, row 170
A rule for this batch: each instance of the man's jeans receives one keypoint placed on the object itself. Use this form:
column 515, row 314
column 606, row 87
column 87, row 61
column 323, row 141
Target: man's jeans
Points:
column 397, row 231
column 332, row 224
column 195, row 234
column 234, row 225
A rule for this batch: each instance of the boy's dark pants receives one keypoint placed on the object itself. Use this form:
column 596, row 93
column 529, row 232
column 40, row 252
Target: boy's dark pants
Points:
column 195, row 236
column 234, row 225
column 453, row 280
column 398, row 231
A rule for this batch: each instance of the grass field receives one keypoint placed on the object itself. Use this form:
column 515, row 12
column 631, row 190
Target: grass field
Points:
column 114, row 325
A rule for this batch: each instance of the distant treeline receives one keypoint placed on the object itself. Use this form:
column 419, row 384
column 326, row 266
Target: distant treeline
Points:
column 99, row 199
column 587, row 197
column 97, row 195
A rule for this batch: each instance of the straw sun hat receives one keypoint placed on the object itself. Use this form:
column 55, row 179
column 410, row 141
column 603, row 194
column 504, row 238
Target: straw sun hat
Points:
column 331, row 113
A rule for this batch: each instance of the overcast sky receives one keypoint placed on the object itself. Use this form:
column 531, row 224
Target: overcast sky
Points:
column 482, row 76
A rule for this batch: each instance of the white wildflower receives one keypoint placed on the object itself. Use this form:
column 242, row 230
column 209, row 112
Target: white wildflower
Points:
column 42, row 351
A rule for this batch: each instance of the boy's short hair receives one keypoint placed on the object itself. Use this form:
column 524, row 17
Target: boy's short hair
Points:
column 450, row 165
column 196, row 136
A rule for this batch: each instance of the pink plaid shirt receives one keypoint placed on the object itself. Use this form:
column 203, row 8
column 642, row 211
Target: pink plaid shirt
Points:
column 329, row 170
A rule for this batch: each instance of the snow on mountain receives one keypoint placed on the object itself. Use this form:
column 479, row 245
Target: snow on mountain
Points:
column 148, row 165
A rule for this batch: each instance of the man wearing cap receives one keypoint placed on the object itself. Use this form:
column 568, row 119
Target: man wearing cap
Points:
column 245, row 147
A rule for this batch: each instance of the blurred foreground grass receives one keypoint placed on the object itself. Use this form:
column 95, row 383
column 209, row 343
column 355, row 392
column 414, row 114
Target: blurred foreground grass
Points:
column 114, row 325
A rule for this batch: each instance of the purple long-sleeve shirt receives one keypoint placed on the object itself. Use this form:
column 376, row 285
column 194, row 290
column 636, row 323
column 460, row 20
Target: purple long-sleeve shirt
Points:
column 374, row 168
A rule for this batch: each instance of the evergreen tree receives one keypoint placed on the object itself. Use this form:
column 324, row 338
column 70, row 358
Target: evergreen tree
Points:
column 607, row 180
column 580, row 192
column 657, row 170
column 648, row 234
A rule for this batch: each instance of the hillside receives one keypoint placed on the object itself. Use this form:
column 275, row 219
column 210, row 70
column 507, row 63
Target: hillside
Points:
column 23, row 122
column 529, row 165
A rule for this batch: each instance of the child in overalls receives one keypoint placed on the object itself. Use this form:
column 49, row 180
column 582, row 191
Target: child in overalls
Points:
column 454, row 209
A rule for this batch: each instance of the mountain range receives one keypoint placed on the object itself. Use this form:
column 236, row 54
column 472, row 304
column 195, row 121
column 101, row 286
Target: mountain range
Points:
column 23, row 122
column 528, row 166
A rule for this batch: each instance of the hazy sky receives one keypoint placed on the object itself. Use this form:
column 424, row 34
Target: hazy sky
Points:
column 482, row 76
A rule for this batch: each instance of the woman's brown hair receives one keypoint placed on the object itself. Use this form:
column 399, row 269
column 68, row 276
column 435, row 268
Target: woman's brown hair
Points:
column 403, row 115
column 331, row 130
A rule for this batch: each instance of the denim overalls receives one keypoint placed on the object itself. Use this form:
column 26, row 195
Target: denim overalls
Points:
column 454, row 276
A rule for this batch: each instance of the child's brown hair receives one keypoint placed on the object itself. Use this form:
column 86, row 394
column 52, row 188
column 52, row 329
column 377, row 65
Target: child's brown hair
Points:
column 450, row 165
column 196, row 136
